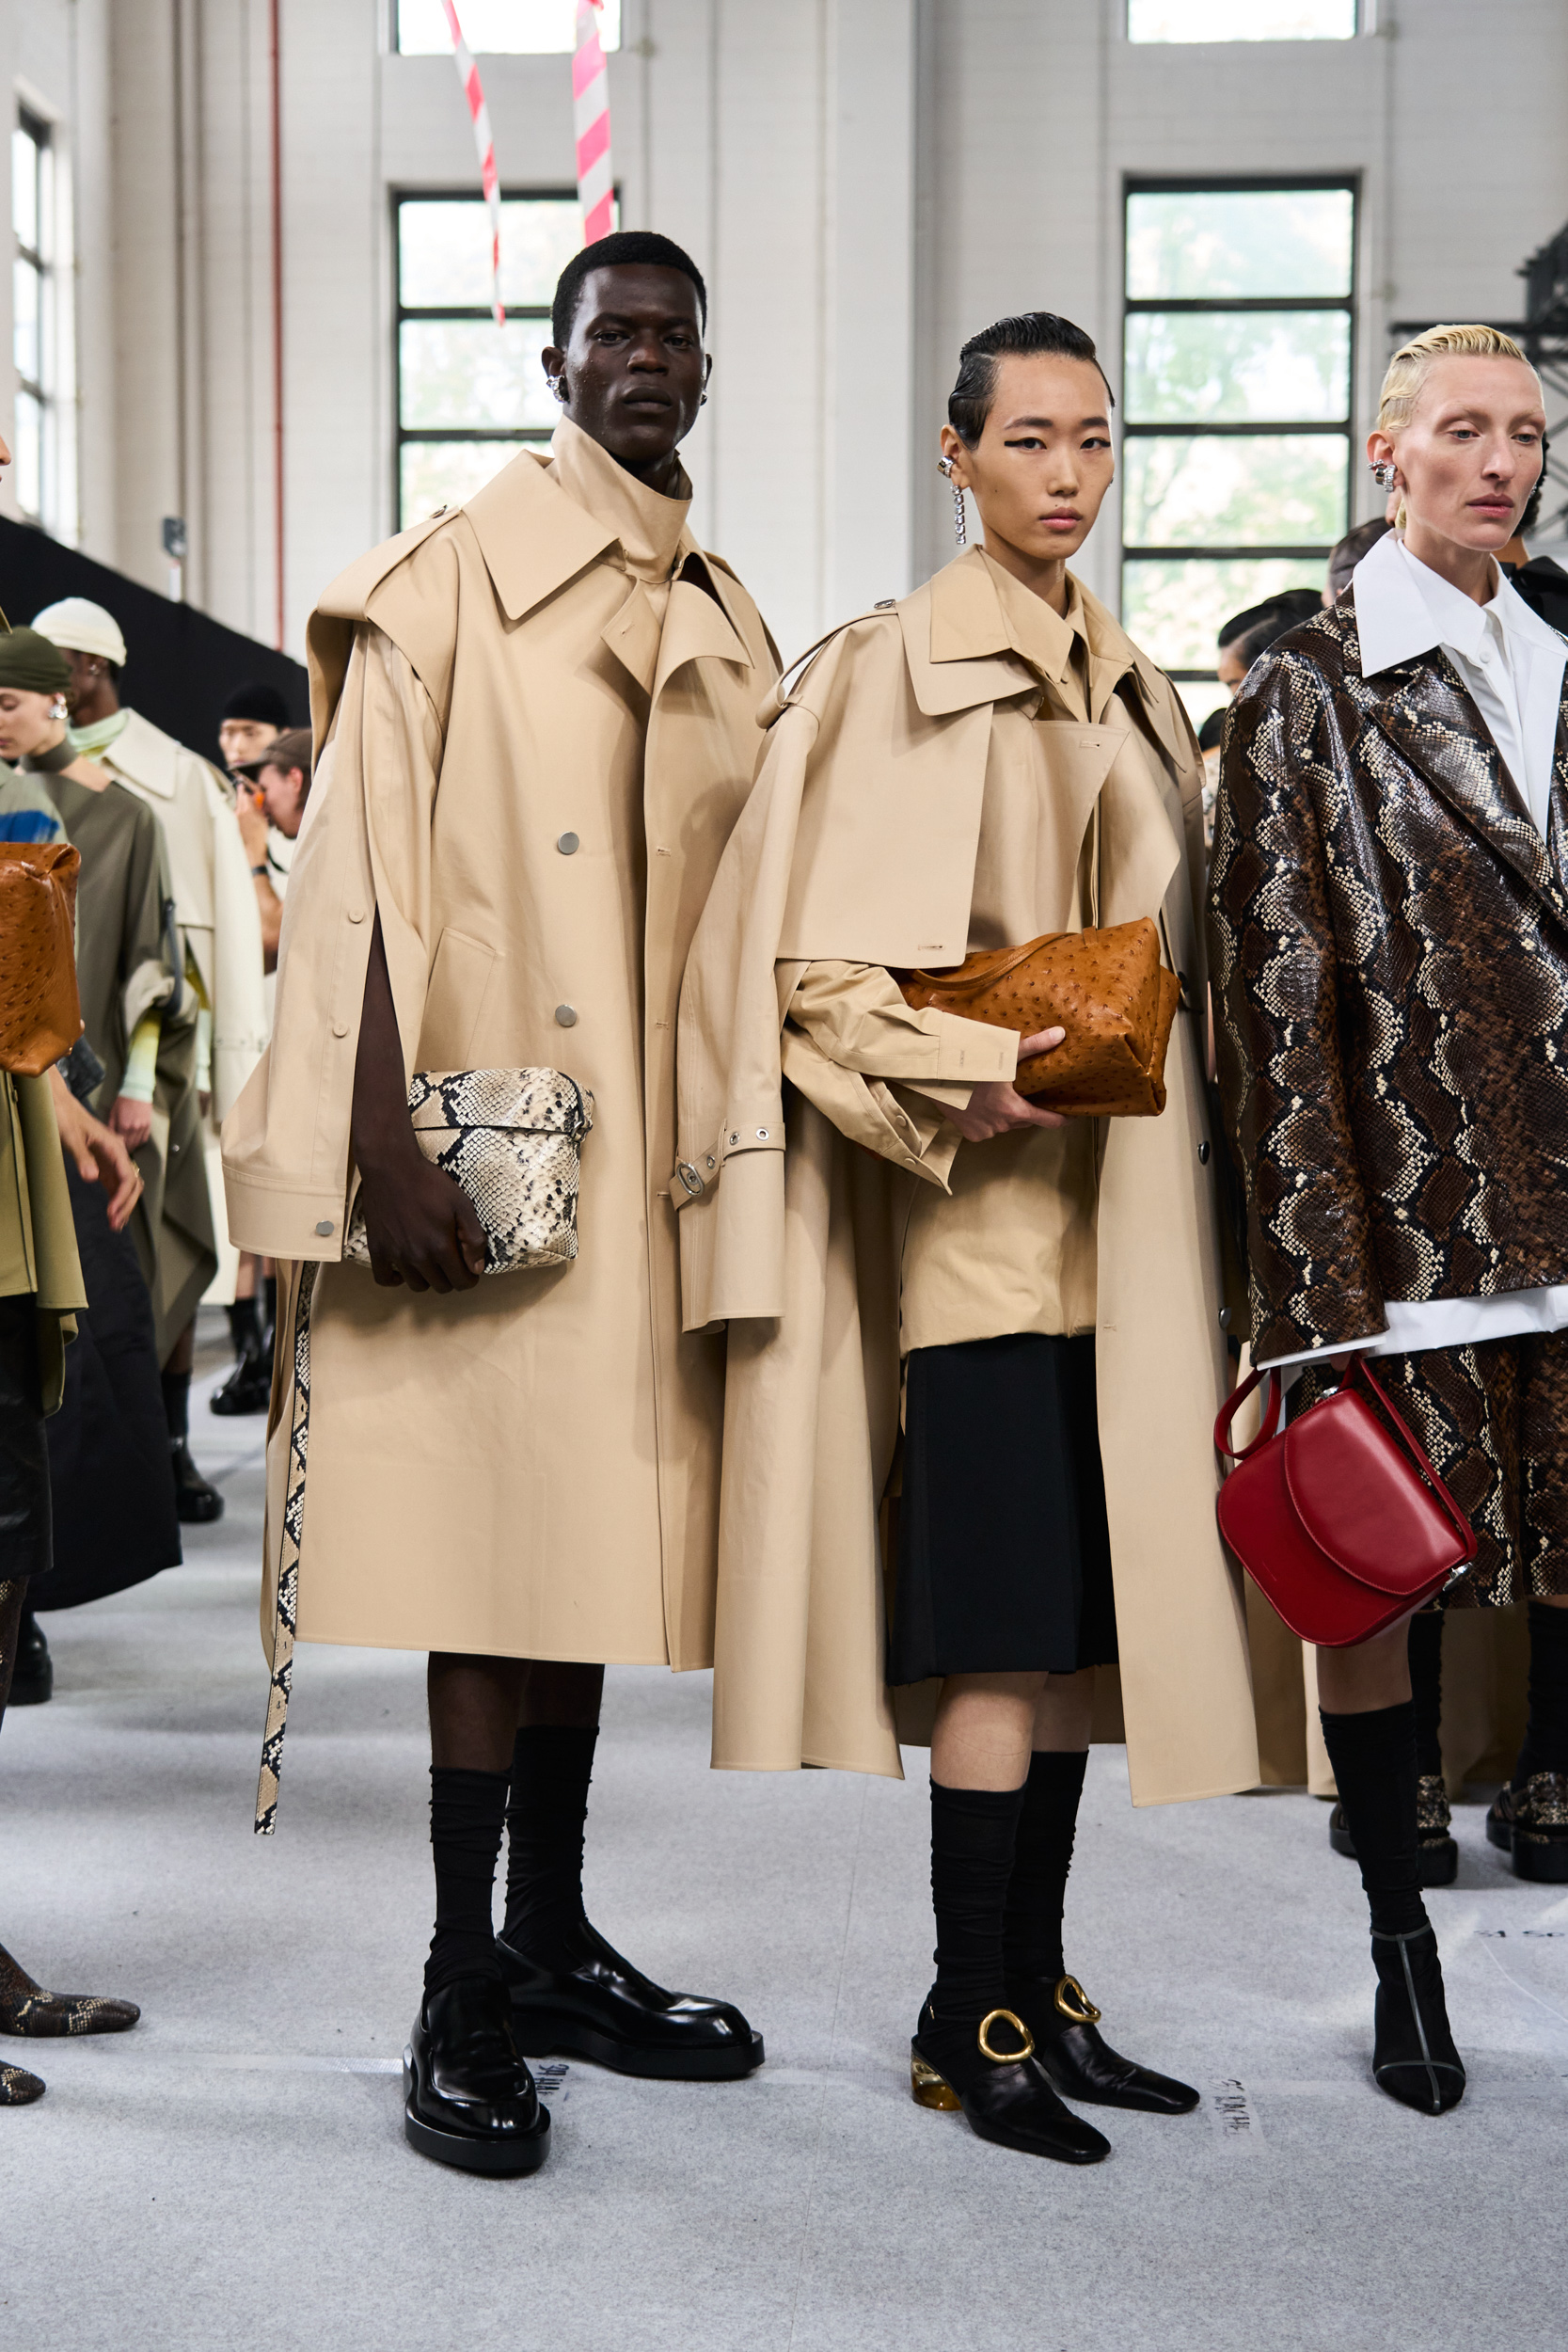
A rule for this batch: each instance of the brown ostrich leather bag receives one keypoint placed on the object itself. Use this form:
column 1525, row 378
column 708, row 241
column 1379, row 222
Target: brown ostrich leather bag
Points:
column 41, row 1015
column 1108, row 990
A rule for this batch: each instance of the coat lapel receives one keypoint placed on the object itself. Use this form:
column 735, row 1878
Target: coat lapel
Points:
column 1431, row 722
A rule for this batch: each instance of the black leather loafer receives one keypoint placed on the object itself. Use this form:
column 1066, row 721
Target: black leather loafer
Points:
column 993, row 2076
column 197, row 1500
column 1414, row 2059
column 33, row 1673
column 1437, row 1851
column 606, row 2009
column 468, row 2098
column 1529, row 1823
column 1065, row 2025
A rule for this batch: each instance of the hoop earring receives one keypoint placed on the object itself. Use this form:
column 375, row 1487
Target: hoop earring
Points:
column 960, row 521
column 559, row 387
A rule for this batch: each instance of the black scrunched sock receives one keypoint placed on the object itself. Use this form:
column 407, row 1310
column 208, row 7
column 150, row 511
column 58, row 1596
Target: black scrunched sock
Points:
column 1042, row 1856
column 973, row 1836
column 1373, row 1757
column 1545, row 1748
column 465, row 1813
column 552, row 1767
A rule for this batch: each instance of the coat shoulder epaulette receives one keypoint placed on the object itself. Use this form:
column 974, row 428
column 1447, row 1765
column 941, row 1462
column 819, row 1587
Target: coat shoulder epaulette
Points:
column 792, row 681
column 348, row 596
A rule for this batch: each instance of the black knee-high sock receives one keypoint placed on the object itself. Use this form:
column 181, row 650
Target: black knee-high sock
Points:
column 973, row 1833
column 1545, row 1748
column 1042, row 1856
column 552, row 1767
column 1426, row 1690
column 177, row 1403
column 465, row 1813
column 244, row 1327
column 1373, row 1757
column 269, row 1311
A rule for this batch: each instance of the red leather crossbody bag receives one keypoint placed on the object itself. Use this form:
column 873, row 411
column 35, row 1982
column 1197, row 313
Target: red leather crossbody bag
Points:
column 1338, row 1519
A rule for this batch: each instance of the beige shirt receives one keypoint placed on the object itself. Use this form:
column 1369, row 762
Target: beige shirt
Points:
column 1009, row 1245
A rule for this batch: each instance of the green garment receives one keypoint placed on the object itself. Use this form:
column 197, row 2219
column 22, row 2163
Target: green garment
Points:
column 38, row 1236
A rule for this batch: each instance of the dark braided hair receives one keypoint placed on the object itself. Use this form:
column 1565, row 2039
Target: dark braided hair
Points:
column 1032, row 332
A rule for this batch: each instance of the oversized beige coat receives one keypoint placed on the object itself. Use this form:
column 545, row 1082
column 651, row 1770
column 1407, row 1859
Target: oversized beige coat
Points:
column 860, row 845
column 534, row 761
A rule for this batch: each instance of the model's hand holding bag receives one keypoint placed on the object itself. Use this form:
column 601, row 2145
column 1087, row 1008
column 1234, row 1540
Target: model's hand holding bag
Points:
column 1107, row 988
column 511, row 1140
column 1340, row 1519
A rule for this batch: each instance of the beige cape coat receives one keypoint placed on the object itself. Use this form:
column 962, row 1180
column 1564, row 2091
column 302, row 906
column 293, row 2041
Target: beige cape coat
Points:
column 534, row 763
column 860, row 844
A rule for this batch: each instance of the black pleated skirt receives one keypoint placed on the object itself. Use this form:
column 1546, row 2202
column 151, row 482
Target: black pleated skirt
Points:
column 1003, row 1558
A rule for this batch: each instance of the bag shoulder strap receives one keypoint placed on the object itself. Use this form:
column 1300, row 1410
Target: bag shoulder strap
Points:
column 1232, row 1406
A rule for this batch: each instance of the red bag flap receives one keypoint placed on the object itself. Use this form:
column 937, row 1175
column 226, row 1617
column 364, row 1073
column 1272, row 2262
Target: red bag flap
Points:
column 1360, row 1498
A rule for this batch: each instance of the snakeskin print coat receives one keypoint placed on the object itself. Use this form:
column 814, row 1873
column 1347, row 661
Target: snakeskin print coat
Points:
column 1388, row 942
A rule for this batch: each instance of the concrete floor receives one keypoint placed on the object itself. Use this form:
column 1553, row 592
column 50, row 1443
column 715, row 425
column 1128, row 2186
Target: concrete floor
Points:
column 233, row 2171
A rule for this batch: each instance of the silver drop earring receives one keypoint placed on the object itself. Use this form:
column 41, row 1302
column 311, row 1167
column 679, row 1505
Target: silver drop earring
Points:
column 961, row 521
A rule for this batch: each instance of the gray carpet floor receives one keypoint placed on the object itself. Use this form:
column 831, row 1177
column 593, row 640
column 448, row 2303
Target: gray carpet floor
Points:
column 233, row 2171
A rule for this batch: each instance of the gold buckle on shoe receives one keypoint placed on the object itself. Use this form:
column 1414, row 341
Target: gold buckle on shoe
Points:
column 1006, row 2058
column 1085, row 2013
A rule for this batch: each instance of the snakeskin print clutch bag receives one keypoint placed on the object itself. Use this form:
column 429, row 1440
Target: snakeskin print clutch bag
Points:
column 511, row 1139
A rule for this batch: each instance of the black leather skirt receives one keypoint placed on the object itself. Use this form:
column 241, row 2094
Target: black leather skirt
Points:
column 1003, row 1555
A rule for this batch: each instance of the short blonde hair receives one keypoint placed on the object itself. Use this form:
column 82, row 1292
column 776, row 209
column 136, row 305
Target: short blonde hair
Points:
column 1410, row 365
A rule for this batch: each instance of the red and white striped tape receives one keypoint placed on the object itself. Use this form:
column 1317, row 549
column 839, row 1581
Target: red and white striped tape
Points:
column 590, row 120
column 473, row 90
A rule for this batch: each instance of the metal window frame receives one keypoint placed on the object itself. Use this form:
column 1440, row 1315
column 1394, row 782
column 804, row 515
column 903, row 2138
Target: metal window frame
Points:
column 1242, row 183
column 37, row 260
column 518, row 436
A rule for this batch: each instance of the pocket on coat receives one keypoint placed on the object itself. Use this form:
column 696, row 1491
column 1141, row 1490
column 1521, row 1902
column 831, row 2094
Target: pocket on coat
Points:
column 454, row 1001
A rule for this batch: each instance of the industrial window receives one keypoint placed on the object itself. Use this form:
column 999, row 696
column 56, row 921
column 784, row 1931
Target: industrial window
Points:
column 1234, row 19
column 470, row 394
column 1237, row 373
column 511, row 28
column 42, row 342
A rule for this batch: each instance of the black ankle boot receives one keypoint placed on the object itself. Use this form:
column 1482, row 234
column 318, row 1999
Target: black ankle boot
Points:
column 248, row 1387
column 33, row 1674
column 1414, row 2059
column 468, row 2099
column 1065, row 2025
column 197, row 1500
column 987, row 2066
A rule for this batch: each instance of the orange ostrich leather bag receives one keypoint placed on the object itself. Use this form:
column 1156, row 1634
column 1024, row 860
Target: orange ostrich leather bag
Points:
column 1339, row 1520
column 1107, row 988
column 41, row 1015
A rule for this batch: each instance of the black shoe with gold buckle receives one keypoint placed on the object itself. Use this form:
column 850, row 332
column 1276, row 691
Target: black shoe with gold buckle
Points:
column 1064, row 2025
column 1004, row 2092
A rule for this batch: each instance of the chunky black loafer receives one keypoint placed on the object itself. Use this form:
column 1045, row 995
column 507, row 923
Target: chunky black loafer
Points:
column 606, row 2009
column 33, row 1673
column 1529, row 1823
column 1414, row 2059
column 1436, row 1850
column 468, row 2099
column 992, row 2075
column 1065, row 2025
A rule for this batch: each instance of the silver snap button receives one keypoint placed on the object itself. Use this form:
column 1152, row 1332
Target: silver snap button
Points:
column 735, row 1138
column 1203, row 1156
column 710, row 1160
column 1225, row 1318
column 323, row 1225
column 357, row 914
column 566, row 1016
column 568, row 844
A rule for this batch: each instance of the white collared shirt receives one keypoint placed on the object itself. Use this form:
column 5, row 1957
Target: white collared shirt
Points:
column 1513, row 663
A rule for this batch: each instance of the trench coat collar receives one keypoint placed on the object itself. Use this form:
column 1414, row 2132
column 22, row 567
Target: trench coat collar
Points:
column 534, row 537
column 1427, row 712
column 147, row 755
column 960, row 651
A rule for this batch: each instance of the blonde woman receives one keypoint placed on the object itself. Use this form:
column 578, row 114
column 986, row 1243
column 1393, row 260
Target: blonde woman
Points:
column 1388, row 929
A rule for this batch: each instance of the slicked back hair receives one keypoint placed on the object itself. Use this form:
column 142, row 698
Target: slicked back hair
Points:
column 628, row 246
column 1031, row 333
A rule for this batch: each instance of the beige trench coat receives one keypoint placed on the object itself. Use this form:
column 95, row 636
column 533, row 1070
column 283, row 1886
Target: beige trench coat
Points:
column 860, row 844
column 530, row 1468
column 213, row 895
